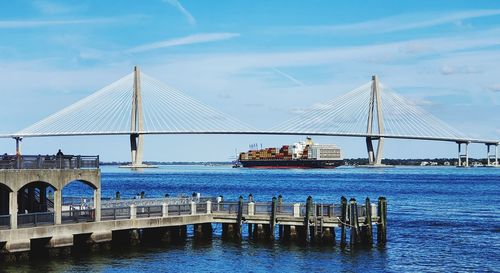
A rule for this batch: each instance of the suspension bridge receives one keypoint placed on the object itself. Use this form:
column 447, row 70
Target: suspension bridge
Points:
column 138, row 105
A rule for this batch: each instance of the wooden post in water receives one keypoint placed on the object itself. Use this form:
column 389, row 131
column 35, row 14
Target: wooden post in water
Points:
column 250, row 226
column 353, row 222
column 367, row 229
column 279, row 210
column 307, row 224
column 273, row 218
column 343, row 220
column 382, row 221
column 239, row 218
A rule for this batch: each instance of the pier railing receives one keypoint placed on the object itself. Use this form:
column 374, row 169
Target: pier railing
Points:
column 4, row 221
column 78, row 216
column 179, row 209
column 35, row 219
column 344, row 214
column 149, row 211
column 115, row 213
column 154, row 201
column 49, row 162
column 263, row 208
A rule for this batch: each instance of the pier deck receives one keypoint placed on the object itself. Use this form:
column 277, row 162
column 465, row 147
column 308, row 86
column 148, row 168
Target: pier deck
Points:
column 32, row 212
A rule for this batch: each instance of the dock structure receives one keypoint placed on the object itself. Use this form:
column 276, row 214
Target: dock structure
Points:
column 31, row 219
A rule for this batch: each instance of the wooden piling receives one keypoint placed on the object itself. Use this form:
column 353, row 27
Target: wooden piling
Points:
column 382, row 221
column 239, row 218
column 307, row 219
column 202, row 231
column 198, row 231
column 250, row 230
column 279, row 209
column 134, row 237
column 367, row 228
column 353, row 222
column 207, row 230
column 272, row 221
column 250, row 226
column 258, row 232
column 343, row 220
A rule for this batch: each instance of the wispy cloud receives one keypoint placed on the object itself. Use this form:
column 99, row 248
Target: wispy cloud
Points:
column 494, row 87
column 288, row 76
column 402, row 22
column 48, row 7
column 185, row 12
column 452, row 70
column 191, row 39
column 47, row 23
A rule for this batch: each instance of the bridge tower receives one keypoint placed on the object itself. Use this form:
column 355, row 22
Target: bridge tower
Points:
column 136, row 125
column 136, row 139
column 375, row 107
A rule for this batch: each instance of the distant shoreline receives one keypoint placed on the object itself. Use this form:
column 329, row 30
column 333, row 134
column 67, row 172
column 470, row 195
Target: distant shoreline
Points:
column 348, row 162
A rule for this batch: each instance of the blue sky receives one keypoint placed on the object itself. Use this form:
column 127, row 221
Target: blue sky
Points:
column 259, row 61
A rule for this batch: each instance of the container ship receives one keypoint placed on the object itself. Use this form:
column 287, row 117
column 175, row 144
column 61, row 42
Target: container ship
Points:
column 304, row 154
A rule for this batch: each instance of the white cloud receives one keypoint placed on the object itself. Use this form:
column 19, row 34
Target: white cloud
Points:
column 48, row 7
column 288, row 76
column 191, row 39
column 46, row 23
column 185, row 12
column 452, row 70
column 494, row 87
column 402, row 22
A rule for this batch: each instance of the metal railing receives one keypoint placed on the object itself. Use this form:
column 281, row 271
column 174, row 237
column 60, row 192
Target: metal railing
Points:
column 201, row 208
column 263, row 208
column 154, row 201
column 225, row 207
column 4, row 221
column 285, row 209
column 78, row 216
column 149, row 211
column 328, row 210
column 49, row 162
column 35, row 219
column 115, row 213
column 179, row 209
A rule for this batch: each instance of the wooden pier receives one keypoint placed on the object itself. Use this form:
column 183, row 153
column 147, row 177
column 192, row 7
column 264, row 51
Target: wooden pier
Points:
column 57, row 229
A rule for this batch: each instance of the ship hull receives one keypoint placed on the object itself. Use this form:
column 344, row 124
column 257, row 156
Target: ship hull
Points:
column 291, row 164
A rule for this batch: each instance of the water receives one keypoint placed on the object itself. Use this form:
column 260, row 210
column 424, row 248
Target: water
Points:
column 439, row 220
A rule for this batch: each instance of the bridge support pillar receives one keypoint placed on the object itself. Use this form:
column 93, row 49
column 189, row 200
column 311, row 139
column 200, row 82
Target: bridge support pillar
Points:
column 496, row 155
column 463, row 157
column 492, row 159
column 375, row 158
column 136, row 143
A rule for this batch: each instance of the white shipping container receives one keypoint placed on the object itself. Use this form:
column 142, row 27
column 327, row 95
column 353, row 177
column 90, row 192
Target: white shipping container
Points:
column 325, row 152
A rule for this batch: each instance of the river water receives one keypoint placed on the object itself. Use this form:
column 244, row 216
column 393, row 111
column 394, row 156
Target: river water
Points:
column 440, row 219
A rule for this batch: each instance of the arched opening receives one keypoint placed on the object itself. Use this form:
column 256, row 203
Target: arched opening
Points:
column 4, row 206
column 4, row 199
column 78, row 202
column 35, row 204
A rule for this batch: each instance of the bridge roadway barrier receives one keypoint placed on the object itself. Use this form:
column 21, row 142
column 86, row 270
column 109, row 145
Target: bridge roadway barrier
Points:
column 304, row 222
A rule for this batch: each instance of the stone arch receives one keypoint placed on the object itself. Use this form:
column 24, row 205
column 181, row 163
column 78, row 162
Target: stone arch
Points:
column 87, row 182
column 36, row 196
column 5, row 191
column 24, row 184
